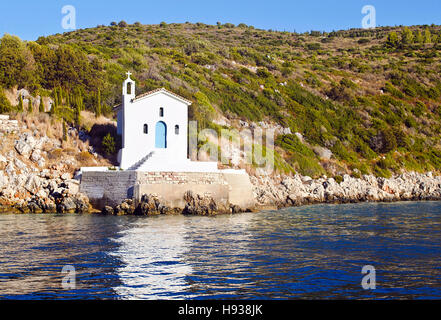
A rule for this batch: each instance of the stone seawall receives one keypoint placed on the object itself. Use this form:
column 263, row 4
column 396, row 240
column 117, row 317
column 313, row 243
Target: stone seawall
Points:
column 171, row 186
column 110, row 188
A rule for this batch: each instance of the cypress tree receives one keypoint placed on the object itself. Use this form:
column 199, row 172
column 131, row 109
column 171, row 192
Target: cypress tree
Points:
column 30, row 109
column 98, row 104
column 59, row 96
column 419, row 37
column 77, row 115
column 20, row 104
column 55, row 94
column 67, row 99
column 427, row 36
column 41, row 107
column 64, row 131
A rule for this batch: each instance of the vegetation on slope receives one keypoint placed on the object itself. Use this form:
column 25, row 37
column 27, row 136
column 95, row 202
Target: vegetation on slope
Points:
column 370, row 96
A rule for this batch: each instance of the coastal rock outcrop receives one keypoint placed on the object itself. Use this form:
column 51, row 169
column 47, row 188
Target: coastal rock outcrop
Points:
column 298, row 190
column 151, row 205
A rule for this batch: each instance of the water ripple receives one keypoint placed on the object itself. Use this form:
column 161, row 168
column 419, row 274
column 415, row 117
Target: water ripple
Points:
column 314, row 252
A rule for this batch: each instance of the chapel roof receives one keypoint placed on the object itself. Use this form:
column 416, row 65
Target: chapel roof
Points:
column 147, row 94
column 155, row 91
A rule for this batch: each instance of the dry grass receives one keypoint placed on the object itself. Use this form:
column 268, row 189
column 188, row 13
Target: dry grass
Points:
column 88, row 120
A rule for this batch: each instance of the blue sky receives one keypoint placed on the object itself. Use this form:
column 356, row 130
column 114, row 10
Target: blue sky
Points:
column 30, row 19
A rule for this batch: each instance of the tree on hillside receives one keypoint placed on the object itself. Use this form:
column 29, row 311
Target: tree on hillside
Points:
column 98, row 104
column 20, row 104
column 64, row 131
column 427, row 36
column 17, row 64
column 392, row 39
column 419, row 37
column 5, row 105
column 60, row 96
column 77, row 115
column 53, row 109
column 30, row 106
column 407, row 36
column 41, row 106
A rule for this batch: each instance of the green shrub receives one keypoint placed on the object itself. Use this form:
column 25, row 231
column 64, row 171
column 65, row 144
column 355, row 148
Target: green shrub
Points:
column 291, row 142
column 308, row 166
column 5, row 105
column 108, row 144
column 342, row 152
column 338, row 179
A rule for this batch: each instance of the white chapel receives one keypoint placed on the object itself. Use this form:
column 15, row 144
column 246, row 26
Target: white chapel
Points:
column 154, row 131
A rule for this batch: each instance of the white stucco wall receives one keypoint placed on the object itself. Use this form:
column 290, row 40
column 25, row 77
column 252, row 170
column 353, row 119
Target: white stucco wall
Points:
column 147, row 111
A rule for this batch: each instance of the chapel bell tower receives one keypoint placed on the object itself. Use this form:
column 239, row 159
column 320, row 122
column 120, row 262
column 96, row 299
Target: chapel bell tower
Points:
column 128, row 88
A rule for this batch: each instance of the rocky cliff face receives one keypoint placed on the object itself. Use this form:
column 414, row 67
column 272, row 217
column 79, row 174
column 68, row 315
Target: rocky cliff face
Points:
column 297, row 190
column 28, row 183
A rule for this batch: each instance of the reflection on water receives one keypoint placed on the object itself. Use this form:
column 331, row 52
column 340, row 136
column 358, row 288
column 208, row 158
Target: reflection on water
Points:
column 152, row 254
column 309, row 252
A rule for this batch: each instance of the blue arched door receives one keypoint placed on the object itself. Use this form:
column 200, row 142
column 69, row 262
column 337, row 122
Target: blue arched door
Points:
column 161, row 135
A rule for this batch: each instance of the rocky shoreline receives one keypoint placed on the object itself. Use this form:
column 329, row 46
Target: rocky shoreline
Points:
column 286, row 191
column 152, row 205
column 29, row 185
column 55, row 191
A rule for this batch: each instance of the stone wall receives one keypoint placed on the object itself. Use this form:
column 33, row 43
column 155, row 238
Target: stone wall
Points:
column 108, row 188
column 171, row 186
column 181, row 178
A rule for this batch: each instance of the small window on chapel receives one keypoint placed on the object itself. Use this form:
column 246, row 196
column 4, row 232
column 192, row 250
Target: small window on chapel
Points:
column 176, row 129
column 161, row 112
column 146, row 129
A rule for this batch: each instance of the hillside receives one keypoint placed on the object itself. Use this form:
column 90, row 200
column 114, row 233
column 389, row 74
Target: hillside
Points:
column 371, row 97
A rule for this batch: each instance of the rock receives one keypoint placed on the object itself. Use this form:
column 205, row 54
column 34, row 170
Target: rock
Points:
column 36, row 155
column 235, row 209
column 23, row 148
column 82, row 203
column 33, row 184
column 4, row 180
column 202, row 205
column 323, row 153
column 149, row 205
column 20, row 165
column 73, row 186
column 34, row 207
column 10, row 170
column 127, row 207
column 65, row 176
column 300, row 136
column 68, row 205
column 107, row 210
column 25, row 144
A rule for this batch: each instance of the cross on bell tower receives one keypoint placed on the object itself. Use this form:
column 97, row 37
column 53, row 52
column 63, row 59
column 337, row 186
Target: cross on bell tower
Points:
column 129, row 87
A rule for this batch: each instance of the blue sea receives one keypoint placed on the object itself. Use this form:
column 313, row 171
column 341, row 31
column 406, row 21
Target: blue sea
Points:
column 311, row 252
